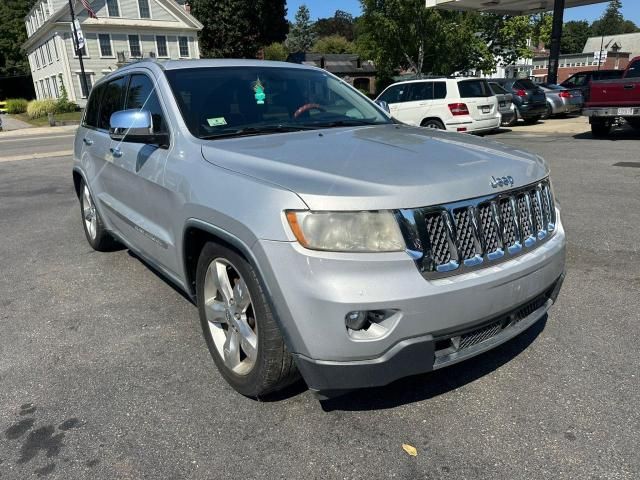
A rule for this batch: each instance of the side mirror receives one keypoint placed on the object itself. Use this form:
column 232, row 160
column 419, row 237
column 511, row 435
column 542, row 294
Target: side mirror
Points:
column 383, row 105
column 135, row 126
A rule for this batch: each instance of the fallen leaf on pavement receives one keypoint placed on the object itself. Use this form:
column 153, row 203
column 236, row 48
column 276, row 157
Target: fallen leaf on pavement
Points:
column 410, row 449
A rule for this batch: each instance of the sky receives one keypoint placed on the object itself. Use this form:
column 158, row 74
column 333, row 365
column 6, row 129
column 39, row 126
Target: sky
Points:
column 326, row 8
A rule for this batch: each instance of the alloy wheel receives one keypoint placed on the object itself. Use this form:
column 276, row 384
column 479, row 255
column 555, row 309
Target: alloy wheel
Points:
column 89, row 213
column 230, row 315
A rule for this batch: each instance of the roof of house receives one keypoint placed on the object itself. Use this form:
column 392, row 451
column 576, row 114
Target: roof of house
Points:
column 334, row 62
column 627, row 42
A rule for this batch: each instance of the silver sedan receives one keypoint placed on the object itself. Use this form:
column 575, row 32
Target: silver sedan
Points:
column 561, row 100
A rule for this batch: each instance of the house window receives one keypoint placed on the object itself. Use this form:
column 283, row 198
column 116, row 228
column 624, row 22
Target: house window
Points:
column 55, row 48
column 42, row 60
column 104, row 40
column 134, row 46
column 37, row 60
column 54, row 84
column 183, row 44
column 113, row 8
column 84, row 87
column 42, row 90
column 161, row 46
column 48, row 83
column 48, row 52
column 143, row 8
column 50, row 2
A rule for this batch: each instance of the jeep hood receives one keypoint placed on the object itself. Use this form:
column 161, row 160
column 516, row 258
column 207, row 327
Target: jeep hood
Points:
column 376, row 167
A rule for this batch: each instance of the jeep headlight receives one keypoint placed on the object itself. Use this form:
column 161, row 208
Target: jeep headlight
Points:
column 376, row 231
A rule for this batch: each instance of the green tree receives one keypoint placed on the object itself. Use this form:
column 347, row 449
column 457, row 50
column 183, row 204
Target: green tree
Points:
column 301, row 36
column 342, row 23
column 276, row 51
column 574, row 36
column 13, row 33
column 333, row 44
column 405, row 35
column 239, row 28
column 612, row 21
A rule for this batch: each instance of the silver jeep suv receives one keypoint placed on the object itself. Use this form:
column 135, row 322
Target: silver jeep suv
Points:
column 317, row 235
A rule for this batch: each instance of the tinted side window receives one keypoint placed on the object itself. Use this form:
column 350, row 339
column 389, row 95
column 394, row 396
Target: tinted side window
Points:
column 473, row 88
column 112, row 101
column 439, row 90
column 579, row 80
column 394, row 94
column 93, row 106
column 634, row 70
column 142, row 96
column 421, row 91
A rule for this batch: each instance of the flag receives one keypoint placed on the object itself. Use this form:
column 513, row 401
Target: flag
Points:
column 85, row 4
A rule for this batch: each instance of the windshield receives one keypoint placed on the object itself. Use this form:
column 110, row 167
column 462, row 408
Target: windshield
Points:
column 233, row 101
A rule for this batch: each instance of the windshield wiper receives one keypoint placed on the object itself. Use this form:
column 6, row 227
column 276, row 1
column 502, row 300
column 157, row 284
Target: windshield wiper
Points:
column 264, row 129
column 351, row 122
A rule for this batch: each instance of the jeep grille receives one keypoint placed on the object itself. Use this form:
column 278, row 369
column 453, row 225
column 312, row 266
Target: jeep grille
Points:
column 454, row 238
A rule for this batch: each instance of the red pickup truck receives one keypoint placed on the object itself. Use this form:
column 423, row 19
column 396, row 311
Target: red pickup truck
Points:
column 612, row 100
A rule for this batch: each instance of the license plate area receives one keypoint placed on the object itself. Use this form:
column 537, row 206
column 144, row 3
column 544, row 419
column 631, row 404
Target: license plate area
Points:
column 485, row 108
column 625, row 111
column 503, row 104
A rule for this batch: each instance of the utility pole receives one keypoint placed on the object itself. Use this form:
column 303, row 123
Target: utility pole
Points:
column 600, row 54
column 83, row 78
column 556, row 36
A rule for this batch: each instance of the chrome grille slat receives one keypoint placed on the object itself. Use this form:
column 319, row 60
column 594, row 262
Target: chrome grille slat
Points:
column 455, row 238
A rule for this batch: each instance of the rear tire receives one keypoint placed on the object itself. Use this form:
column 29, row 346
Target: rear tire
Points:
column 433, row 124
column 238, row 325
column 94, row 229
column 600, row 129
column 532, row 120
column 634, row 123
column 548, row 113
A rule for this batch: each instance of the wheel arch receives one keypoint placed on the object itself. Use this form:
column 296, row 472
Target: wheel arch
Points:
column 438, row 119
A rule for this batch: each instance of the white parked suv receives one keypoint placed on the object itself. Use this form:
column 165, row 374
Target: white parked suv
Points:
column 454, row 104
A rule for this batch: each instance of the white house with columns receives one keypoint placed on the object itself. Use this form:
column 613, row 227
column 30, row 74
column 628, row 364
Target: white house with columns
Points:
column 125, row 30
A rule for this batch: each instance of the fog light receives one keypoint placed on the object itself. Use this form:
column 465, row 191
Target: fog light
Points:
column 356, row 320
column 462, row 129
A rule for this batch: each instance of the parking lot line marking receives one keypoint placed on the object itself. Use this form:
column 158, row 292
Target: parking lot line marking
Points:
column 35, row 156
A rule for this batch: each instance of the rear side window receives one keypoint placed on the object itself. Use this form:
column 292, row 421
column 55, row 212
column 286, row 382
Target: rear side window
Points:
column 421, row 91
column 112, row 101
column 93, row 106
column 497, row 89
column 439, row 90
column 394, row 94
column 634, row 70
column 474, row 88
column 607, row 74
column 142, row 95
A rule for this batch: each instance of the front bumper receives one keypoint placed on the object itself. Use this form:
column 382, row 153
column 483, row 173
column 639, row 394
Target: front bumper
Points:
column 312, row 292
column 426, row 353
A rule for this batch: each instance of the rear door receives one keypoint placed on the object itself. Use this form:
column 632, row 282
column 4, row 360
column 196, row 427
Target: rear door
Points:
column 480, row 100
column 419, row 102
column 503, row 97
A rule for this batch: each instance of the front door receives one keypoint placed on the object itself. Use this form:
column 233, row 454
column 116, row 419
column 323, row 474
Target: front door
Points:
column 141, row 173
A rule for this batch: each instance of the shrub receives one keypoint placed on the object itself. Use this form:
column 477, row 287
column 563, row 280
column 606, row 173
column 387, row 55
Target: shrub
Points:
column 40, row 108
column 65, row 106
column 16, row 105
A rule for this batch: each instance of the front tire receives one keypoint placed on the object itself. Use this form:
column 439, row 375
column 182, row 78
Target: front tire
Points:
column 600, row 129
column 532, row 120
column 94, row 229
column 238, row 324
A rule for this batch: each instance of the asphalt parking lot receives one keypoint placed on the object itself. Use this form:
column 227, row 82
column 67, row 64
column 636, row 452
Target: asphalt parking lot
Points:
column 104, row 372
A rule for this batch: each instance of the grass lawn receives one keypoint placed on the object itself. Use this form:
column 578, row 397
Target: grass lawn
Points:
column 44, row 121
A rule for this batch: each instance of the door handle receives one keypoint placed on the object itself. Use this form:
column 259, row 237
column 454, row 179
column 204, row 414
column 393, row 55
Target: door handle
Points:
column 116, row 152
column 629, row 86
column 87, row 141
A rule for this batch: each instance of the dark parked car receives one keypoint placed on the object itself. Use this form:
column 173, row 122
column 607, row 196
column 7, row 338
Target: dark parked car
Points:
column 529, row 99
column 582, row 80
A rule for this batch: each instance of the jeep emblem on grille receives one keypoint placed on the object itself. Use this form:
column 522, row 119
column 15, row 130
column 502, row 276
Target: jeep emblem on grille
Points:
column 502, row 181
